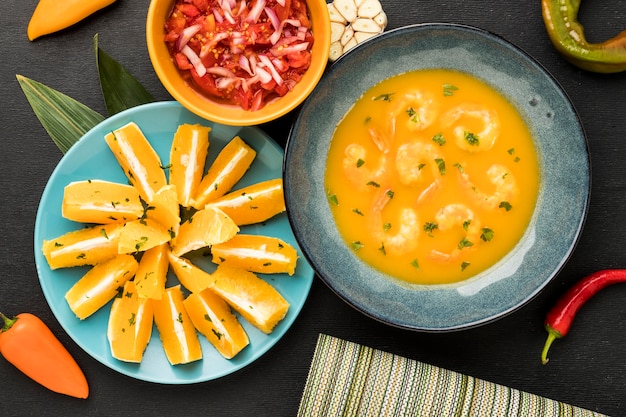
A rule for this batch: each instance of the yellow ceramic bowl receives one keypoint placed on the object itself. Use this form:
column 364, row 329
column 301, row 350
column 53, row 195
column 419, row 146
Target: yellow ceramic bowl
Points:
column 204, row 107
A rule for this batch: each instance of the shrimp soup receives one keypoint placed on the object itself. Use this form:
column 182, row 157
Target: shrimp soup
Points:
column 432, row 176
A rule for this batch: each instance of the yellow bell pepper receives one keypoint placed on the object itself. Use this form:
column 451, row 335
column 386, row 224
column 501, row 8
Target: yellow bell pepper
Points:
column 52, row 16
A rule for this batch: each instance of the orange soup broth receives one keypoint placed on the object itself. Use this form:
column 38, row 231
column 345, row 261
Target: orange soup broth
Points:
column 356, row 185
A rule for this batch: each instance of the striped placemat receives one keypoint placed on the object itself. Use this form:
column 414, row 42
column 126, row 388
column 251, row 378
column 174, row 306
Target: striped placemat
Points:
column 348, row 379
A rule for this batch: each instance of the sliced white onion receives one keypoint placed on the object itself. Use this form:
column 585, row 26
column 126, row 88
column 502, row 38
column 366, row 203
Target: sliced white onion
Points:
column 244, row 63
column 273, row 17
column 223, row 83
column 186, row 34
column 268, row 64
column 219, row 18
column 264, row 76
column 285, row 49
column 278, row 32
column 256, row 11
column 194, row 59
column 221, row 72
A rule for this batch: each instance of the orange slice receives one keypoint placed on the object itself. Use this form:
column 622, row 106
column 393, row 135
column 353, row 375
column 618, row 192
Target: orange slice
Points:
column 256, row 300
column 100, row 202
column 213, row 318
column 138, row 159
column 190, row 276
column 205, row 228
column 87, row 246
column 141, row 235
column 253, row 204
column 263, row 254
column 187, row 157
column 164, row 209
column 177, row 332
column 100, row 285
column 151, row 275
column 130, row 325
column 229, row 167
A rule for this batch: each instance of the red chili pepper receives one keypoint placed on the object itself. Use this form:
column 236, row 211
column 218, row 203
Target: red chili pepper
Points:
column 559, row 319
column 27, row 343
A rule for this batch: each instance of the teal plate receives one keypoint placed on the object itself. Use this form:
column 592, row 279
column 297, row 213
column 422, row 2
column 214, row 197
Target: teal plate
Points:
column 91, row 158
column 559, row 214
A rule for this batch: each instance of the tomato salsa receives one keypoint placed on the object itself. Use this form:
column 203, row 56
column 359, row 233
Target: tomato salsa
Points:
column 245, row 53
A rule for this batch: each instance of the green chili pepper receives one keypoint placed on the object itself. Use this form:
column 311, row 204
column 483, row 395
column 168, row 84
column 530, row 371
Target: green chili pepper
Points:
column 568, row 36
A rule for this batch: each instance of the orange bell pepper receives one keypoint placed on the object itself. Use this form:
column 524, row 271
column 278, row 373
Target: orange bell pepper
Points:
column 52, row 16
column 27, row 343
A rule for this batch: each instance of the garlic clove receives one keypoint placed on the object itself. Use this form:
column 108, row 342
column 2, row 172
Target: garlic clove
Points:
column 348, row 34
column 369, row 9
column 347, row 9
column 336, row 31
column 365, row 25
column 335, row 16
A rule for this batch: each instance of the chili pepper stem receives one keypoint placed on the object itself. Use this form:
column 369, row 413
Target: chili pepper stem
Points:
column 552, row 336
column 7, row 322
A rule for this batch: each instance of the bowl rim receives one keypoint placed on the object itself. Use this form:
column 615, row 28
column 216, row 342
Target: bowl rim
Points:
column 569, row 247
column 168, row 74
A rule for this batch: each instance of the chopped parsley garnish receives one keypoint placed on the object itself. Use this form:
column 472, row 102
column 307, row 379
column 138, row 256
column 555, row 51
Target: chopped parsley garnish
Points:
column 373, row 184
column 429, row 227
column 487, row 234
column 389, row 194
column 441, row 164
column 356, row 245
column 449, row 89
column 357, row 211
column 383, row 97
column 464, row 265
column 415, row 264
column 439, row 139
column 360, row 163
column 471, row 138
column 386, row 226
column 466, row 224
column 459, row 167
column 382, row 249
column 332, row 198
column 505, row 205
column 465, row 243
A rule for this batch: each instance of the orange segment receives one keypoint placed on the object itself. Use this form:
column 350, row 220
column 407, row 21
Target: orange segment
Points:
column 130, row 325
column 256, row 300
column 178, row 335
column 263, row 254
column 190, row 276
column 99, row 285
column 187, row 157
column 151, row 275
column 228, row 168
column 164, row 209
column 100, row 202
column 205, row 228
column 253, row 204
column 87, row 246
column 213, row 318
column 141, row 235
column 138, row 159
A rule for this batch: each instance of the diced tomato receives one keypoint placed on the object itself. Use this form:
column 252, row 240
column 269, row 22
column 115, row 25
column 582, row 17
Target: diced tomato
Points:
column 201, row 5
column 189, row 9
column 225, row 37
column 206, row 83
column 300, row 59
column 182, row 62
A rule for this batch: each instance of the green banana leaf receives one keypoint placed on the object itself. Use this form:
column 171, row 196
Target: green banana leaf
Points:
column 65, row 119
column 120, row 89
